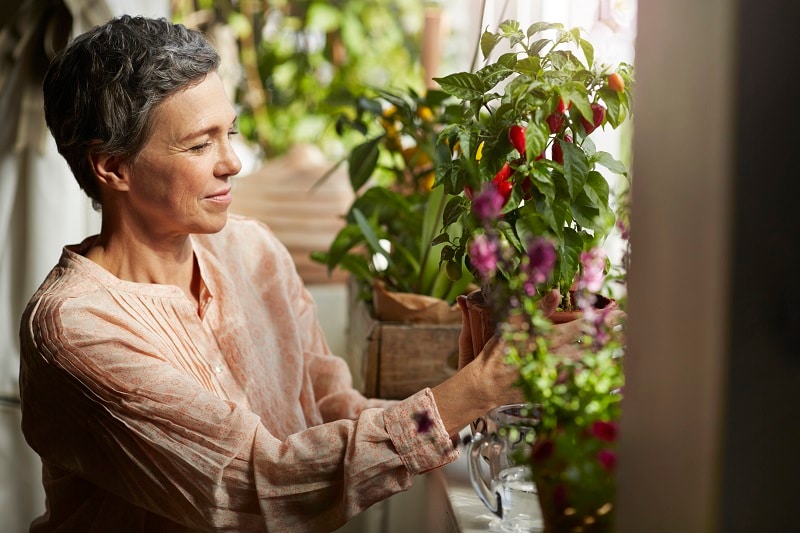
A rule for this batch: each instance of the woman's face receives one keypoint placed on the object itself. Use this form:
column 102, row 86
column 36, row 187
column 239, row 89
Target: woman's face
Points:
column 180, row 181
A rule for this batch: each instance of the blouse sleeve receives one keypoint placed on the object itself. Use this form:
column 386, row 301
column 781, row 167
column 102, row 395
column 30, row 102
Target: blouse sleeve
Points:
column 99, row 402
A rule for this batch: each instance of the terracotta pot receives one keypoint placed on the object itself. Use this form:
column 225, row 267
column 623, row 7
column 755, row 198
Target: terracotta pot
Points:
column 482, row 326
column 561, row 317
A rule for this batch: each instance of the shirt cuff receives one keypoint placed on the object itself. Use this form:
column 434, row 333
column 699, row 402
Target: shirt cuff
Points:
column 418, row 433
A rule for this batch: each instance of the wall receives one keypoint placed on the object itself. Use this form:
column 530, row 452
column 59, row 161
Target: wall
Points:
column 709, row 434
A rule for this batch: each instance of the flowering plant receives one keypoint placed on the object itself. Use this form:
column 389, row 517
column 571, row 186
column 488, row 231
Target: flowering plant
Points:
column 579, row 397
column 534, row 210
column 524, row 174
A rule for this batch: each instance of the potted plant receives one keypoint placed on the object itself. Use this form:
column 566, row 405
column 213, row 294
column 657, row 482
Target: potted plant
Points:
column 574, row 453
column 399, row 290
column 525, row 176
column 533, row 210
column 396, row 212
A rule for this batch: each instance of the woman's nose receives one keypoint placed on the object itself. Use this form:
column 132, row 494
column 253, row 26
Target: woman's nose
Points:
column 229, row 163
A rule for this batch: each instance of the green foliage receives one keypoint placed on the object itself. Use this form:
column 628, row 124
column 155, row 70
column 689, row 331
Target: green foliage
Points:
column 565, row 198
column 304, row 61
column 396, row 214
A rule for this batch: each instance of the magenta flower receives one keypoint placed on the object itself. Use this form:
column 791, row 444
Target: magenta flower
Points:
column 488, row 205
column 595, row 319
column 604, row 430
column 483, row 256
column 624, row 229
column 541, row 259
column 593, row 272
column 607, row 459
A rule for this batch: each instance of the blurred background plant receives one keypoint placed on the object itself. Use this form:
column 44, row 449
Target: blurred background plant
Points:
column 396, row 212
column 293, row 66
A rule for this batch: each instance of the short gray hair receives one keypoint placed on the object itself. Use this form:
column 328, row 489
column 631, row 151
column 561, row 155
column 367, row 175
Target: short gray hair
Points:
column 101, row 90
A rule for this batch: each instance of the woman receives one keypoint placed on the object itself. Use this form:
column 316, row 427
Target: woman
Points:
column 174, row 376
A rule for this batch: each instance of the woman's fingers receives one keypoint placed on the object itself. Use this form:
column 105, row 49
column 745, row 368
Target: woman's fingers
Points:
column 466, row 352
column 550, row 301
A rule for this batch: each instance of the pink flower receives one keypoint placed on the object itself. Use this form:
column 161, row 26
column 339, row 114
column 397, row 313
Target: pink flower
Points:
column 593, row 272
column 604, row 430
column 541, row 259
column 483, row 256
column 607, row 459
column 488, row 205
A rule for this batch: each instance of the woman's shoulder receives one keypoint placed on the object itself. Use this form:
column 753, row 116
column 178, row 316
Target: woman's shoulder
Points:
column 65, row 295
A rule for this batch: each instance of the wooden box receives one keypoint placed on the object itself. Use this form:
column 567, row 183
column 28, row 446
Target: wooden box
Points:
column 394, row 360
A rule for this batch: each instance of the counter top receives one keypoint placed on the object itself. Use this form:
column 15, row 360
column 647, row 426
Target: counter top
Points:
column 468, row 511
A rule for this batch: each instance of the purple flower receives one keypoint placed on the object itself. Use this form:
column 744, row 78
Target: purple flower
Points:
column 541, row 259
column 483, row 256
column 488, row 205
column 593, row 272
column 597, row 327
column 624, row 230
column 424, row 421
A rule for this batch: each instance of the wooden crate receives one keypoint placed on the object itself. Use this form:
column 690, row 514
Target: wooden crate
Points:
column 394, row 360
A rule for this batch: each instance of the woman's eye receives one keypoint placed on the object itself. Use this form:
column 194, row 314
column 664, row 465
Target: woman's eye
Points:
column 199, row 147
column 232, row 133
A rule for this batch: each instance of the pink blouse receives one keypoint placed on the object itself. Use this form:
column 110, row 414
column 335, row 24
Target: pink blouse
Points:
column 150, row 416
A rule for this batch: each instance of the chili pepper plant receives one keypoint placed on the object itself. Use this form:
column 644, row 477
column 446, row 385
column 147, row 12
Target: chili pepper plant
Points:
column 528, row 187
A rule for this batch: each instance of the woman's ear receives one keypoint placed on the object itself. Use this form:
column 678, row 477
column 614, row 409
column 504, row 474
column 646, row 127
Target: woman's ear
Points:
column 110, row 170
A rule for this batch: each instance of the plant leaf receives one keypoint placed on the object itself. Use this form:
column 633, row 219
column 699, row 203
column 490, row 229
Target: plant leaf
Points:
column 608, row 161
column 369, row 234
column 488, row 41
column 362, row 162
column 596, row 188
column 463, row 85
column 537, row 27
column 576, row 167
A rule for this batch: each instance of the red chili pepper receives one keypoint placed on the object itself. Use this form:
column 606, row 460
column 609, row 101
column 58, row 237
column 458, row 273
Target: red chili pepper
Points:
column 527, row 185
column 504, row 188
column 562, row 106
column 503, row 174
column 516, row 134
column 503, row 183
column 558, row 153
column 598, row 115
column 555, row 121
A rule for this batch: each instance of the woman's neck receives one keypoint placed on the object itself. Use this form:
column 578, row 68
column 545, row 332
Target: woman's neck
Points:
column 165, row 262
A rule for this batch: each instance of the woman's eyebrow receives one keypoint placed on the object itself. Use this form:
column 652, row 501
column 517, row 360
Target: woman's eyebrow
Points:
column 207, row 130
